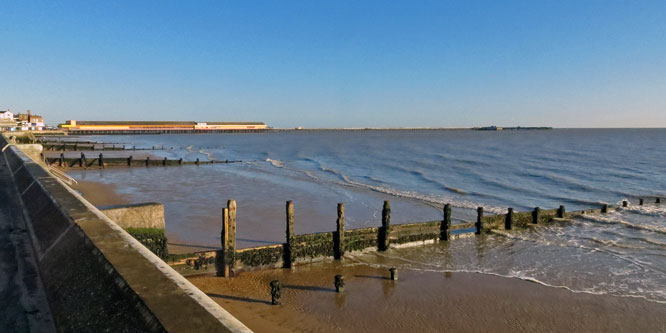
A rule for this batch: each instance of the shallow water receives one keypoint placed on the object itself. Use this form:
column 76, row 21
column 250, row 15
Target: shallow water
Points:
column 620, row 253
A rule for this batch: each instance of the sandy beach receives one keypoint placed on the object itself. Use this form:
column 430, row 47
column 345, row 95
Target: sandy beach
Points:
column 423, row 301
column 419, row 300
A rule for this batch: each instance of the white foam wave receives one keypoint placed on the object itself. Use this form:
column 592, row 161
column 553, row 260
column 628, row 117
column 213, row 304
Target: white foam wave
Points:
column 599, row 289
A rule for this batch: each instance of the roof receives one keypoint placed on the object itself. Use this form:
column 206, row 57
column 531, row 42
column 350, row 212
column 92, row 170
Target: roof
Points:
column 234, row 123
column 120, row 123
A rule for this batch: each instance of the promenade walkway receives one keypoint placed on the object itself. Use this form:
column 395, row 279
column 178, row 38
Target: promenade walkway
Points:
column 23, row 305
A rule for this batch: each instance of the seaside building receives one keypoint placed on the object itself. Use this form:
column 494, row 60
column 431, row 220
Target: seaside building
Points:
column 7, row 122
column 74, row 125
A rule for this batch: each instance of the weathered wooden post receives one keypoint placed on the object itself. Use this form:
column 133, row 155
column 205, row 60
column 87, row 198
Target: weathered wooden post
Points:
column 101, row 160
column 604, row 208
column 339, row 240
column 640, row 202
column 223, row 256
column 479, row 220
column 561, row 212
column 394, row 273
column 625, row 203
column 275, row 292
column 445, row 226
column 230, row 253
column 339, row 283
column 508, row 222
column 289, row 245
column 385, row 229
column 129, row 161
column 535, row 215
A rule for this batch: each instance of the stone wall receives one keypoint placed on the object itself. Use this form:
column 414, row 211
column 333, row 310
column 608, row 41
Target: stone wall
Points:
column 96, row 277
column 141, row 215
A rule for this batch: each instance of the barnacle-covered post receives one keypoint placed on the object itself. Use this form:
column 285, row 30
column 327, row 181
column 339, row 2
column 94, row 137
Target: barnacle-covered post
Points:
column 479, row 220
column 289, row 245
column 445, row 226
column 385, row 229
column 339, row 241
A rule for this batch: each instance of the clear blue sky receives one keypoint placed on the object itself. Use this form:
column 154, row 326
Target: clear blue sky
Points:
column 339, row 63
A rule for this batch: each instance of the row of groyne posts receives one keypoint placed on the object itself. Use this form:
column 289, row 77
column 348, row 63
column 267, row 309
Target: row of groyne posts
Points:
column 304, row 248
column 101, row 162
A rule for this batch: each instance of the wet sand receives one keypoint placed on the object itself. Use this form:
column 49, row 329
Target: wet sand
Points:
column 424, row 301
column 100, row 194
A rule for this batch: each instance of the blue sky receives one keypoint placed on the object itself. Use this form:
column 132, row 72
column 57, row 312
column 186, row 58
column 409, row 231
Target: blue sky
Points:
column 339, row 63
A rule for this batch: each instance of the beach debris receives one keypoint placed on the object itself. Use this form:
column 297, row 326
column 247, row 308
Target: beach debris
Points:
column 394, row 273
column 339, row 283
column 625, row 203
column 275, row 292
column 640, row 202
column 604, row 208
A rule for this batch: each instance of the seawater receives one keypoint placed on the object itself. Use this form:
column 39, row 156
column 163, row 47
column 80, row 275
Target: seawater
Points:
column 622, row 253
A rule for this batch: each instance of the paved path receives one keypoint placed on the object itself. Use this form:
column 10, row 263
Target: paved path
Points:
column 23, row 305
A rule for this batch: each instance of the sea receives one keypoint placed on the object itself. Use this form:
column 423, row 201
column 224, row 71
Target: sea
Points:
column 622, row 253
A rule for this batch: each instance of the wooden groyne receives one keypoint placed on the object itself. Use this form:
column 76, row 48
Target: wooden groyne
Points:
column 100, row 161
column 76, row 146
column 307, row 248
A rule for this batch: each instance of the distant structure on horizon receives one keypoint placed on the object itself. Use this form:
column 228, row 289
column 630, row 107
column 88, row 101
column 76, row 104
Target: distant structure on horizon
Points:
column 158, row 126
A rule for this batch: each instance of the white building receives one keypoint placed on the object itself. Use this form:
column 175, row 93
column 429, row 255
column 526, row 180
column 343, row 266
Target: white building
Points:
column 6, row 116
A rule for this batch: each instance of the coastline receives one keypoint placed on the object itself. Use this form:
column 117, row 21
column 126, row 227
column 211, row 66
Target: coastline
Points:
column 426, row 301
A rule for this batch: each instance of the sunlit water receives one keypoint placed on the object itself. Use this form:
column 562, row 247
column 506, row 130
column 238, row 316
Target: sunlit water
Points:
column 621, row 253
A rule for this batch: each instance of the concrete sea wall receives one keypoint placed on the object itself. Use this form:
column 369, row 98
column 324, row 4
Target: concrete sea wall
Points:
column 96, row 277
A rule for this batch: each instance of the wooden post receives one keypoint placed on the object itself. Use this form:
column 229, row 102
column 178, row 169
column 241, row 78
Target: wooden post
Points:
column 640, row 202
column 147, row 160
column 445, row 226
column 101, row 160
column 222, row 257
column 339, row 283
column 164, row 162
column 479, row 220
column 129, row 161
column 508, row 222
column 658, row 200
column 275, row 292
column 339, row 240
column 394, row 273
column 385, row 229
column 62, row 160
column 604, row 208
column 230, row 232
column 180, row 161
column 561, row 212
column 197, row 162
column 535, row 215
column 82, row 160
column 625, row 203
column 289, row 248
